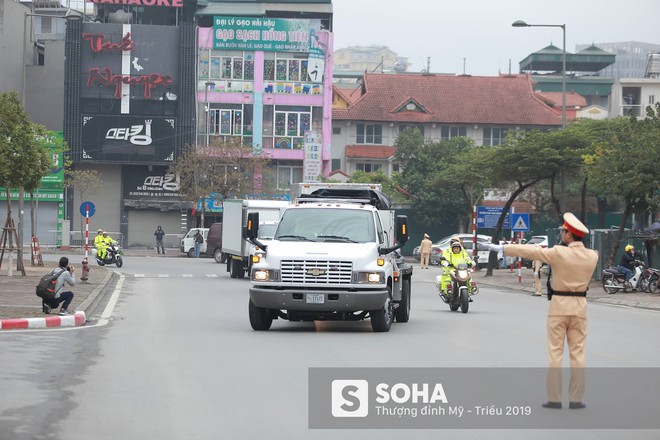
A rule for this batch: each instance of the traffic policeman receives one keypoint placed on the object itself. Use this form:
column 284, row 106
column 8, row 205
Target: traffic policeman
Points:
column 572, row 268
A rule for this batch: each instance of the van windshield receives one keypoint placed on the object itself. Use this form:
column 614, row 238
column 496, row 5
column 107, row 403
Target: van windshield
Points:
column 327, row 225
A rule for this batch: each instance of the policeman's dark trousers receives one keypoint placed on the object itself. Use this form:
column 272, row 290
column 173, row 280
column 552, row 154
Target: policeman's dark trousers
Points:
column 65, row 299
column 573, row 330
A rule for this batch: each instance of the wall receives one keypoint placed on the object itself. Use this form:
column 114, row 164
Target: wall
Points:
column 107, row 199
column 12, row 16
column 44, row 91
column 143, row 223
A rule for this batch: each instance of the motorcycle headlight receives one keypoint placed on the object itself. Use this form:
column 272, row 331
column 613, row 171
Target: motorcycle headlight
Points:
column 265, row 275
column 463, row 274
column 369, row 277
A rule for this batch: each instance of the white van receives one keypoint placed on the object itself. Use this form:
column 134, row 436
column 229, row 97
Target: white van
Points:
column 188, row 242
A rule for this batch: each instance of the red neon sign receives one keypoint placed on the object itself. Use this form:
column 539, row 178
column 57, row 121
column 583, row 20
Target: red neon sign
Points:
column 97, row 44
column 170, row 3
column 107, row 78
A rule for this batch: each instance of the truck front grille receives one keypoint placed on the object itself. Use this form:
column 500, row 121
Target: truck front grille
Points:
column 316, row 271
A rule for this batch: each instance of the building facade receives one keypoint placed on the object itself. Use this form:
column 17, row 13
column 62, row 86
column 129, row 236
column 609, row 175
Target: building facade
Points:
column 367, row 121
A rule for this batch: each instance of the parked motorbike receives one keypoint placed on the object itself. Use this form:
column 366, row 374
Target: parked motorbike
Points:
column 113, row 255
column 649, row 281
column 459, row 290
column 614, row 280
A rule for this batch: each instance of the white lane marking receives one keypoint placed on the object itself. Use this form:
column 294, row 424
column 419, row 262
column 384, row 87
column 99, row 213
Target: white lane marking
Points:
column 187, row 275
column 163, row 275
column 139, row 275
column 212, row 275
column 109, row 308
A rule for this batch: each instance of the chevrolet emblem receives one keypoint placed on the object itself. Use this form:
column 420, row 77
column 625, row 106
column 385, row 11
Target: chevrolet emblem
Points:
column 316, row 272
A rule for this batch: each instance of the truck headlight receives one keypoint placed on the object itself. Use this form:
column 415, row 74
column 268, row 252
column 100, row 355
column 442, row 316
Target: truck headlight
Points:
column 265, row 275
column 369, row 277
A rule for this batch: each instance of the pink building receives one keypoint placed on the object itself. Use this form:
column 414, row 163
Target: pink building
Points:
column 269, row 83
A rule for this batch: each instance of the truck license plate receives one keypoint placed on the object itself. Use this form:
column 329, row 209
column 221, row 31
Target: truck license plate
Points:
column 315, row 298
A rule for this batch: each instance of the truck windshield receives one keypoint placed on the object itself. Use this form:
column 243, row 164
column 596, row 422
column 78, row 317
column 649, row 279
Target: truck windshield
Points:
column 327, row 225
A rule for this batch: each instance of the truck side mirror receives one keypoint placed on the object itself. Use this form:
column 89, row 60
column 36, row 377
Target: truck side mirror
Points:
column 401, row 223
column 252, row 228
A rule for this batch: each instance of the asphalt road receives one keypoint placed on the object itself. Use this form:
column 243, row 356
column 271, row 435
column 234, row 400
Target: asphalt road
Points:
column 171, row 355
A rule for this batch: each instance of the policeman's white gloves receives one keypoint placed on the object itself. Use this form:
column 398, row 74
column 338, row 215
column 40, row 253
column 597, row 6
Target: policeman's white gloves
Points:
column 490, row 247
column 445, row 263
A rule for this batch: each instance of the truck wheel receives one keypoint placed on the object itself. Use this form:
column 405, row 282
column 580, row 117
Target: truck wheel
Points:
column 191, row 253
column 381, row 320
column 240, row 269
column 234, row 268
column 218, row 256
column 260, row 318
column 402, row 313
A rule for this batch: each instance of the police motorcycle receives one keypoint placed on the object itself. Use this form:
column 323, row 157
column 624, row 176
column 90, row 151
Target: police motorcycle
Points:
column 113, row 255
column 614, row 280
column 461, row 287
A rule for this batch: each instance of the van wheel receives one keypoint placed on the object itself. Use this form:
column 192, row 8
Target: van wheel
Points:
column 191, row 253
column 260, row 318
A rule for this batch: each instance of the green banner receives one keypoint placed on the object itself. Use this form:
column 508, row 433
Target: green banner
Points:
column 55, row 180
column 257, row 33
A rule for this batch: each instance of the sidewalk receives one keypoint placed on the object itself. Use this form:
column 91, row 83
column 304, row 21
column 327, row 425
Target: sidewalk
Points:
column 507, row 279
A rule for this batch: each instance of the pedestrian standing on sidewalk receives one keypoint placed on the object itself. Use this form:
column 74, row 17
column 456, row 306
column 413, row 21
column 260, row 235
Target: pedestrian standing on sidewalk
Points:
column 425, row 251
column 536, row 267
column 159, row 239
column 63, row 298
column 199, row 239
column 572, row 267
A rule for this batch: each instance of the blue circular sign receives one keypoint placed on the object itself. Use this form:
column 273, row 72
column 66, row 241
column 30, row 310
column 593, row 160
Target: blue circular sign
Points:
column 87, row 206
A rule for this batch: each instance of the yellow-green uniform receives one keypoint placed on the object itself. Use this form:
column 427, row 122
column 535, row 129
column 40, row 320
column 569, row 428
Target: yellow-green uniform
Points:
column 572, row 268
column 454, row 260
column 99, row 244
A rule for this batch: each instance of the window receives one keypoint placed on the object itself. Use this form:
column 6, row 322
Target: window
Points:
column 231, row 71
column 651, row 99
column 369, row 134
column 396, row 167
column 337, row 130
column 285, row 126
column 46, row 25
column 336, row 164
column 231, row 120
column 494, row 135
column 286, row 175
column 447, row 132
column 368, row 167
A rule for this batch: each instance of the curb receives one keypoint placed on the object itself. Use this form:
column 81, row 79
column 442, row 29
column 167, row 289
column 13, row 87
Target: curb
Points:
column 75, row 320
column 78, row 318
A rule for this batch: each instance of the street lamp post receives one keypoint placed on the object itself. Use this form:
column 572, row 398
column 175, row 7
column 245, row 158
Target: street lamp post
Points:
column 521, row 23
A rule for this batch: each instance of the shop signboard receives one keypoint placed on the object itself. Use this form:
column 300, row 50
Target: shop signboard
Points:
column 263, row 34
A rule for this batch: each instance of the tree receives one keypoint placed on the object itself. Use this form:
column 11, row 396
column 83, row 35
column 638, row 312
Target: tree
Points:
column 85, row 183
column 23, row 160
column 428, row 175
column 226, row 168
column 625, row 164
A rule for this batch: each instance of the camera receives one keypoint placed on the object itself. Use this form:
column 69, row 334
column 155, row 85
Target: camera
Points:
column 69, row 268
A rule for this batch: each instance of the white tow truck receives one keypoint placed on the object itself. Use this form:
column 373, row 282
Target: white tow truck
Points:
column 333, row 257
column 234, row 218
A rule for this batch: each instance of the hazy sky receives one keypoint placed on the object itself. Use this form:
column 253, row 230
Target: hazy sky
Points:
column 480, row 30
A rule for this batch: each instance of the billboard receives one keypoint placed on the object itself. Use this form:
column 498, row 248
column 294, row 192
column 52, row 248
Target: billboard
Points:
column 128, row 138
column 259, row 33
column 141, row 184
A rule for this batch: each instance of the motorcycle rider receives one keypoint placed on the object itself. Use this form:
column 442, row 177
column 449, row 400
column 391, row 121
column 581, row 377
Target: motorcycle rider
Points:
column 451, row 258
column 107, row 240
column 627, row 260
column 100, row 244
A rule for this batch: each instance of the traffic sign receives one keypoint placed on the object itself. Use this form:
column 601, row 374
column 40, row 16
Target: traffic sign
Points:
column 487, row 217
column 87, row 206
column 520, row 222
